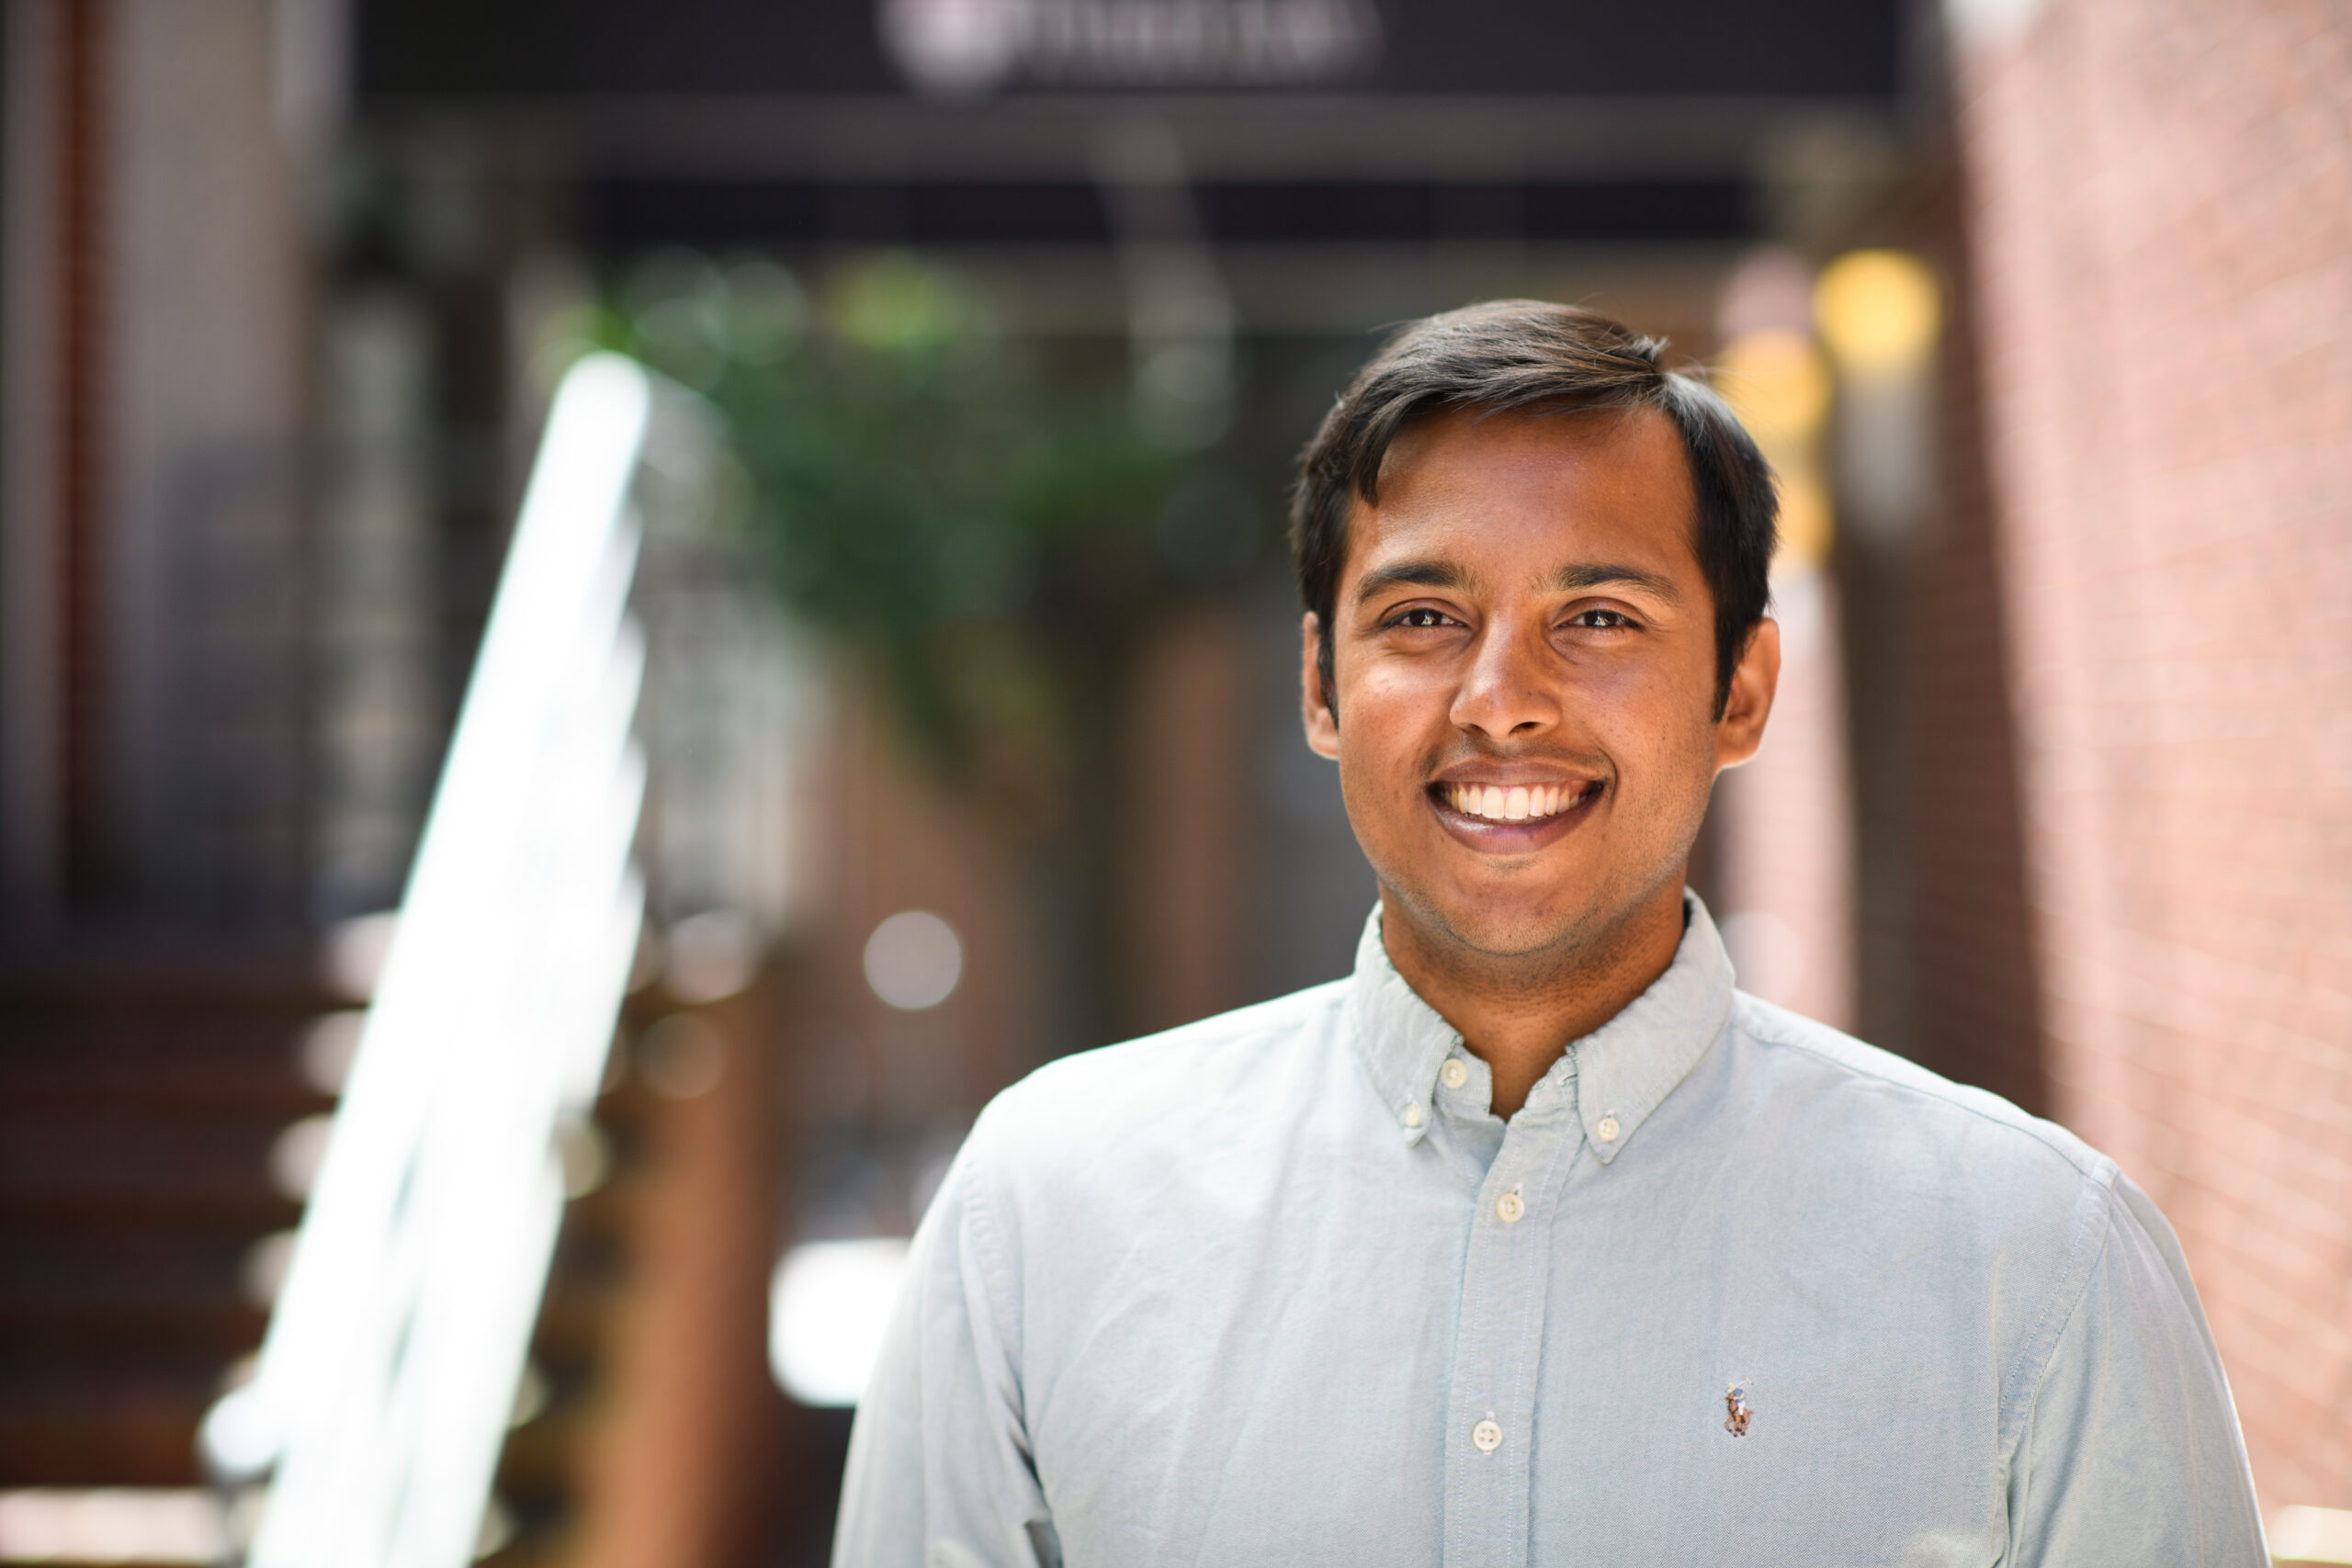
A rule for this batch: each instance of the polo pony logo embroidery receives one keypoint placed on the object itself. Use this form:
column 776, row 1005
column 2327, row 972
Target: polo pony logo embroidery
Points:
column 1736, row 1410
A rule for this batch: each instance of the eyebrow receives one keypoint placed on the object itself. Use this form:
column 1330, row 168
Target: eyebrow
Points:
column 1412, row 574
column 1571, row 578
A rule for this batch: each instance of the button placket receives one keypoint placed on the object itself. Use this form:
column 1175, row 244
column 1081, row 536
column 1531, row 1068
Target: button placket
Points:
column 1498, row 1342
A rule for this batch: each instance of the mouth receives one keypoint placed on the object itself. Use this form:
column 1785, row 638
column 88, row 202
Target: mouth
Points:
column 1512, row 818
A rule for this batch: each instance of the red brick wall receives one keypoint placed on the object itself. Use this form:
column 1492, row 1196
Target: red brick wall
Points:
column 2160, row 203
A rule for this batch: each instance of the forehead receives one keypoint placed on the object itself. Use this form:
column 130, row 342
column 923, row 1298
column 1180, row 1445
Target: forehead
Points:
column 1534, row 491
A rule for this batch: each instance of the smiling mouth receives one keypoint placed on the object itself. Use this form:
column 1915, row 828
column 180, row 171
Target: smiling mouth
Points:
column 1514, row 805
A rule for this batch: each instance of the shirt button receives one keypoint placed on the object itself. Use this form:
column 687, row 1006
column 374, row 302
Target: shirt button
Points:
column 1607, row 1128
column 1412, row 1116
column 1453, row 1075
column 1508, row 1208
column 1487, row 1435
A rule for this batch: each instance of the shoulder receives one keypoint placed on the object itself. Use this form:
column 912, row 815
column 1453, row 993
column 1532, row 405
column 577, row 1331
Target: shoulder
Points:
column 1902, row 1163
column 1869, row 1097
column 1894, row 1151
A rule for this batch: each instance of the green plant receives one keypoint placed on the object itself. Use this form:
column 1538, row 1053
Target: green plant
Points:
column 979, row 524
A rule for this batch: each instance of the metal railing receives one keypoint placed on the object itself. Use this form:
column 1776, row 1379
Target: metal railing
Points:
column 377, row 1412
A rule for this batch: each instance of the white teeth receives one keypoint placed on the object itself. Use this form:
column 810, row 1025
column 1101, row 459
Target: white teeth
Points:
column 1519, row 803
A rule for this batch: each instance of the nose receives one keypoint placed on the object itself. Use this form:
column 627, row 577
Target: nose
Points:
column 1506, row 692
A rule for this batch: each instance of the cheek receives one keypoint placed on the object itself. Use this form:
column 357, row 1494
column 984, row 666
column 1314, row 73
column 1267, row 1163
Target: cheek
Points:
column 1662, row 740
column 1373, row 757
column 1386, row 715
column 1660, row 673
column 1397, row 683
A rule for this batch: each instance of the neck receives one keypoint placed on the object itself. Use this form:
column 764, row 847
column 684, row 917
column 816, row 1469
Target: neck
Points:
column 1519, row 1012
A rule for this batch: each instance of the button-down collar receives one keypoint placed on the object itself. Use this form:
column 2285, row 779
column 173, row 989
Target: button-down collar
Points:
column 1403, row 1040
column 1618, row 1074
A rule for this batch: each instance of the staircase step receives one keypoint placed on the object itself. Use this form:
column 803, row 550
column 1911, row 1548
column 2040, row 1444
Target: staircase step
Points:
column 142, row 1087
column 90, row 1426
column 142, row 1091
column 100, row 1160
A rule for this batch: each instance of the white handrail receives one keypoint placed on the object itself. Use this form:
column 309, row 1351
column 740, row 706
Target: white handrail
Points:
column 392, row 1358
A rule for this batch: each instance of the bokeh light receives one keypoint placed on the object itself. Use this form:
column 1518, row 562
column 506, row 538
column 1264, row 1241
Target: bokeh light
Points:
column 1878, row 311
column 829, row 1306
column 913, row 960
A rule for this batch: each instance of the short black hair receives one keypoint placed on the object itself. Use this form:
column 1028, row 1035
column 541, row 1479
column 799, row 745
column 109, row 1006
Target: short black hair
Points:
column 1525, row 355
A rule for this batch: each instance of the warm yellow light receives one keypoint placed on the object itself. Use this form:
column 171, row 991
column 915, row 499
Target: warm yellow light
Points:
column 1878, row 311
column 1805, row 526
column 1776, row 384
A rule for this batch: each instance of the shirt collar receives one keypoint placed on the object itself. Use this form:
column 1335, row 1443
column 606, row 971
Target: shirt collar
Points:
column 1619, row 1073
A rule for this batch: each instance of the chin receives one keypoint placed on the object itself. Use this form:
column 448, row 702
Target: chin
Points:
column 1501, row 923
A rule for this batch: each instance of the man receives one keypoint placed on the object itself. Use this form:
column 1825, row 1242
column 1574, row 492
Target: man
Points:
column 1534, row 1241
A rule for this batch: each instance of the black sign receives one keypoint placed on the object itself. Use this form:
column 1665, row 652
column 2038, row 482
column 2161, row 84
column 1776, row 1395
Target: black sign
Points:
column 1844, row 50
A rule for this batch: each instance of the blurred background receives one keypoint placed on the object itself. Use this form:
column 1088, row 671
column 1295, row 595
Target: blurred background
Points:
column 970, row 698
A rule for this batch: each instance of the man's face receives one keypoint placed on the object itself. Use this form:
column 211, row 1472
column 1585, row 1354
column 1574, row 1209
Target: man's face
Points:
column 1525, row 675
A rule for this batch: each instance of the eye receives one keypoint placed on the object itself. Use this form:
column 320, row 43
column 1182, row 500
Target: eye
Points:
column 1603, row 620
column 1422, row 617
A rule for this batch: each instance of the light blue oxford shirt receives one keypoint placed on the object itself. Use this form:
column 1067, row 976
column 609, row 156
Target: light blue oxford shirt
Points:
column 1280, row 1287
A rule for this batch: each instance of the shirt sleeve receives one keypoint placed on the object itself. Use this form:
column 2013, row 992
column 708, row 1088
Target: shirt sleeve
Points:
column 2131, row 1453
column 940, row 1474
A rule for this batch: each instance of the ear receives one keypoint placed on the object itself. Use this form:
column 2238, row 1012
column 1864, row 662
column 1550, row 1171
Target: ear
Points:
column 1753, row 681
column 1322, row 724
